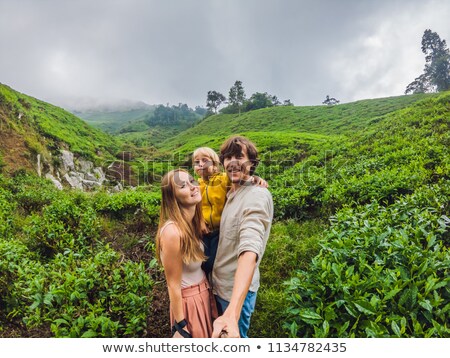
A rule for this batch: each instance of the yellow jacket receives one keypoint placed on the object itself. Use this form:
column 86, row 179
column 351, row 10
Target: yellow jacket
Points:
column 214, row 194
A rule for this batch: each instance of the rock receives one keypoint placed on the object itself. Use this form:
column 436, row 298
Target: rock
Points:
column 78, row 173
column 84, row 166
column 67, row 161
column 39, row 170
column 90, row 184
column 74, row 179
column 116, row 189
column 56, row 182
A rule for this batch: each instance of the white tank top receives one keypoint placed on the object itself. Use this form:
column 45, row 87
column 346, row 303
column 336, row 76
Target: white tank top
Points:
column 192, row 273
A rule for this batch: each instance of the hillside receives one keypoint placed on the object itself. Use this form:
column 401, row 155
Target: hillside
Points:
column 142, row 125
column 34, row 134
column 281, row 133
column 111, row 121
column 324, row 120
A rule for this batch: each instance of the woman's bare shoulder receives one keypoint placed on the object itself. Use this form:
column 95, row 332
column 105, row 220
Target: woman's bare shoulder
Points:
column 170, row 237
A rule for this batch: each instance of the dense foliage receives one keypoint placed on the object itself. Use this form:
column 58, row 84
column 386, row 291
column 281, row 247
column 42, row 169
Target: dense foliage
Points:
column 59, row 270
column 359, row 246
column 383, row 271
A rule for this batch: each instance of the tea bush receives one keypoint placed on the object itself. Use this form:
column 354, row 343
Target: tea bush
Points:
column 58, row 274
column 63, row 225
column 381, row 272
column 128, row 202
column 91, row 296
column 7, row 207
column 23, row 186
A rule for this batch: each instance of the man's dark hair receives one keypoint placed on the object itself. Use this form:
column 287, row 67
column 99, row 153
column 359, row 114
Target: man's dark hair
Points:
column 233, row 146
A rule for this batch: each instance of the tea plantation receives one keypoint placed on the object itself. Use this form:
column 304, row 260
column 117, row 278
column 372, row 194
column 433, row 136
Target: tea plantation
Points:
column 359, row 246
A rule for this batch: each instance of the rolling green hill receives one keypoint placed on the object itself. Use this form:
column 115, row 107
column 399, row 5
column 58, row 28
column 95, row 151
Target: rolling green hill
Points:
column 325, row 120
column 113, row 121
column 30, row 127
column 138, row 126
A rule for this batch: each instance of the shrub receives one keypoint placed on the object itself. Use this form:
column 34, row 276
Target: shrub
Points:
column 381, row 272
column 7, row 207
column 129, row 202
column 93, row 296
column 64, row 224
column 31, row 192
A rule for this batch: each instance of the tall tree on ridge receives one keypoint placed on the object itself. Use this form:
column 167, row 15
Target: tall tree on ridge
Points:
column 236, row 96
column 436, row 74
column 214, row 100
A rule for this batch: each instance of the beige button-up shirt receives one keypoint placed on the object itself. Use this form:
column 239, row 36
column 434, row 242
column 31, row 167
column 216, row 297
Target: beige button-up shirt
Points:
column 244, row 226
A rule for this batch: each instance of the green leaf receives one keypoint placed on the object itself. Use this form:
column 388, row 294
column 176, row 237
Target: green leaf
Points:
column 441, row 284
column 310, row 316
column 422, row 268
column 293, row 328
column 343, row 328
column 426, row 304
column 48, row 298
column 61, row 321
column 350, row 310
column 89, row 334
column 365, row 307
column 431, row 240
column 326, row 328
column 409, row 297
column 35, row 305
column 392, row 293
column 396, row 328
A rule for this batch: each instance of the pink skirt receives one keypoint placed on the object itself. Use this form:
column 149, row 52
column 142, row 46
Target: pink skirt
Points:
column 199, row 309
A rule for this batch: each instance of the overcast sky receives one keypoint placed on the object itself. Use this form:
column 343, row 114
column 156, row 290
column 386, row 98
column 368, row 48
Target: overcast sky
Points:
column 171, row 51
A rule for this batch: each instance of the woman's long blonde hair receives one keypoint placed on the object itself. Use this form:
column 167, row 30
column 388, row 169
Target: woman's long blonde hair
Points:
column 191, row 231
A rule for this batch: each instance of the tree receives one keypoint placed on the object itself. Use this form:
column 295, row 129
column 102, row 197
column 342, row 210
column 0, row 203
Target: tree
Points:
column 236, row 96
column 200, row 110
column 436, row 74
column 275, row 100
column 330, row 101
column 171, row 115
column 287, row 102
column 214, row 100
column 259, row 100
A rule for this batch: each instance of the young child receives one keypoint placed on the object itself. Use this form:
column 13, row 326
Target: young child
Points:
column 214, row 185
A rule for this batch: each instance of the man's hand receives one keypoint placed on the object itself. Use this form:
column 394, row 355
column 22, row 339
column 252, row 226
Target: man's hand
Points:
column 258, row 181
column 225, row 327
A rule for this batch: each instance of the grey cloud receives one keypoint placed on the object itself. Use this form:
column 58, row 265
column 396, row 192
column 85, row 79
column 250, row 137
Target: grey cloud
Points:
column 175, row 51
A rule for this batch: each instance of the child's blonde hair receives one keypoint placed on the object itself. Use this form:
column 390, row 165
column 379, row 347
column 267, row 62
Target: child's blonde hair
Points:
column 210, row 153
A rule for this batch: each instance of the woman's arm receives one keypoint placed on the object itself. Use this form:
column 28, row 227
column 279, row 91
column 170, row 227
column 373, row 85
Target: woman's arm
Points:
column 173, row 267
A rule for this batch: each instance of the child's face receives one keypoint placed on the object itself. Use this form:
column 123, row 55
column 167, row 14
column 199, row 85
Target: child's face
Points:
column 203, row 166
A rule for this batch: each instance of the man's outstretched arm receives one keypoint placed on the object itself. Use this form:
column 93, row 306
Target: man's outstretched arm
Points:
column 228, row 322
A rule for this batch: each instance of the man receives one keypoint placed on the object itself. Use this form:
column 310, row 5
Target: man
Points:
column 244, row 230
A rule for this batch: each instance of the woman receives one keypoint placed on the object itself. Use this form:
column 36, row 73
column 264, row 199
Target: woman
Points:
column 180, row 251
